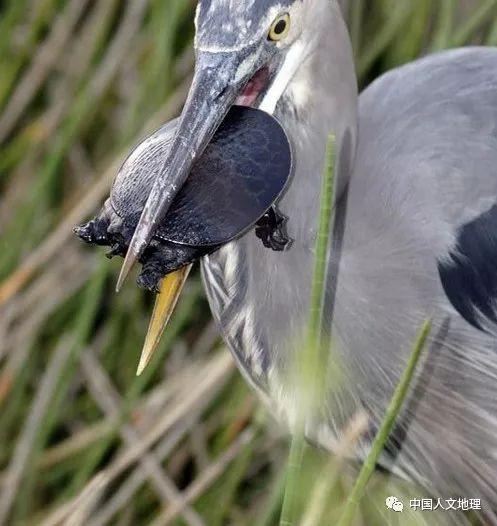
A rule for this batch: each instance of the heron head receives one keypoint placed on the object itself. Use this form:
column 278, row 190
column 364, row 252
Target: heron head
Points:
column 246, row 53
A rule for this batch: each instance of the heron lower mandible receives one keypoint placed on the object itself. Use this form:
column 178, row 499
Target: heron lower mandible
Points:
column 417, row 153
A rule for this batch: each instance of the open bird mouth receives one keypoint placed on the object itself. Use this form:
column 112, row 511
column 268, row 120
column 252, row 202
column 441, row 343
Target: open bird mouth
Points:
column 254, row 88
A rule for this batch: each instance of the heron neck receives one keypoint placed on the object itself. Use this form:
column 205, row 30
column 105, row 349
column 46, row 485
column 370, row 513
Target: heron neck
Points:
column 248, row 283
column 322, row 99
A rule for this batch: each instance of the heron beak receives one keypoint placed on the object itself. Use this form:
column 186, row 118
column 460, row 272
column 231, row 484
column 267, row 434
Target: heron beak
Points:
column 165, row 302
column 214, row 90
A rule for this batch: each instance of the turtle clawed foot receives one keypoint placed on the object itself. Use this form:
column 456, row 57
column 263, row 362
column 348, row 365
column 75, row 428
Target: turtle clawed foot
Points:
column 271, row 230
column 149, row 279
column 162, row 258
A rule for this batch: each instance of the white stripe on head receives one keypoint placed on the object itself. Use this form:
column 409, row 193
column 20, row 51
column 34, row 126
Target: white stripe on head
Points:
column 291, row 64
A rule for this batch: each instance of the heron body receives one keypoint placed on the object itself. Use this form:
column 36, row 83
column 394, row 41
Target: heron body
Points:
column 417, row 191
column 424, row 168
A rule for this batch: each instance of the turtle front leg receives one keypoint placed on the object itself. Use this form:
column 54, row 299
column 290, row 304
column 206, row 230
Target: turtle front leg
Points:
column 271, row 230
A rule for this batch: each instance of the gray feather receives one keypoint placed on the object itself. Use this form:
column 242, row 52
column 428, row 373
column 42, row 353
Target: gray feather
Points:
column 425, row 166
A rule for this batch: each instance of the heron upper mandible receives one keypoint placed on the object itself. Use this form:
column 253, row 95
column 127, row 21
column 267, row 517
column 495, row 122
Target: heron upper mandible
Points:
column 417, row 162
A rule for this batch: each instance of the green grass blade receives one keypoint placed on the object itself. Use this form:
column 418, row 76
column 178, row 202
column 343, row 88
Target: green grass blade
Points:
column 479, row 17
column 445, row 21
column 313, row 348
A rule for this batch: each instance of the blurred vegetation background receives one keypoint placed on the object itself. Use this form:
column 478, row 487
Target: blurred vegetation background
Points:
column 82, row 440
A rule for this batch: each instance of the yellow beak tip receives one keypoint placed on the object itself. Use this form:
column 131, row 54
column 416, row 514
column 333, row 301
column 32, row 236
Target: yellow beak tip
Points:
column 166, row 300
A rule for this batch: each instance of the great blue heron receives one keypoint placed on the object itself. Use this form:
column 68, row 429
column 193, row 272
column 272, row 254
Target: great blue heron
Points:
column 417, row 153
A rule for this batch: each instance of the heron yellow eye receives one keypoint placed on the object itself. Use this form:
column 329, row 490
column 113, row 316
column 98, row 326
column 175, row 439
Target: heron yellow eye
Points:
column 280, row 28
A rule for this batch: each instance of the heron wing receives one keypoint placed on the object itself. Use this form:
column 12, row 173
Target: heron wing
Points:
column 430, row 129
column 469, row 274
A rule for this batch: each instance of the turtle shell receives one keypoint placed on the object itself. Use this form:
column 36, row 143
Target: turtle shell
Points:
column 242, row 172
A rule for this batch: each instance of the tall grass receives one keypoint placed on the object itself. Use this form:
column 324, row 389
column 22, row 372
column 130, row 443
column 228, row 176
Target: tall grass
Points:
column 82, row 441
column 310, row 367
